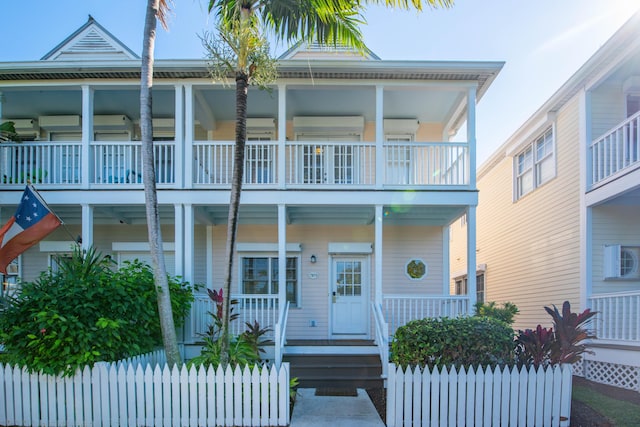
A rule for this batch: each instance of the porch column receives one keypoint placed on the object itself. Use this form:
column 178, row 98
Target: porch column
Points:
column 188, row 245
column 178, row 238
column 446, row 253
column 180, row 164
column 380, row 157
column 471, row 257
column 87, row 133
column 282, row 135
column 1, row 101
column 209, row 257
column 282, row 257
column 377, row 255
column 87, row 226
column 586, row 255
column 471, row 138
column 586, row 213
column 187, row 126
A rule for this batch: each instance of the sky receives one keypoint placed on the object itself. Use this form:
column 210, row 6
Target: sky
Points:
column 542, row 42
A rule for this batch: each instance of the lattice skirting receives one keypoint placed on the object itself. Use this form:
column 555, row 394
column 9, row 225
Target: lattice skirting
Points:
column 622, row 376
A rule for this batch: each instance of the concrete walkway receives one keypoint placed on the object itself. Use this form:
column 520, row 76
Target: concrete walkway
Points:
column 337, row 411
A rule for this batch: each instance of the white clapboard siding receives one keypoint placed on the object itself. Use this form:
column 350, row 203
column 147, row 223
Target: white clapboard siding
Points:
column 479, row 397
column 145, row 391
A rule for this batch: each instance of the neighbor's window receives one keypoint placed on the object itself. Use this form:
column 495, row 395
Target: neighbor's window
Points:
column 536, row 164
column 260, row 277
column 460, row 287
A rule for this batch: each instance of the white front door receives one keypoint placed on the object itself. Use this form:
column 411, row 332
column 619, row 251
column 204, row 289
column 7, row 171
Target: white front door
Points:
column 349, row 296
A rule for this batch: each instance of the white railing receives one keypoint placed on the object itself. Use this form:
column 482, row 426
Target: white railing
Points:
column 618, row 317
column 382, row 338
column 281, row 333
column 40, row 162
column 616, row 150
column 213, row 162
column 400, row 309
column 330, row 163
column 116, row 162
column 420, row 163
column 468, row 397
column 112, row 394
column 249, row 308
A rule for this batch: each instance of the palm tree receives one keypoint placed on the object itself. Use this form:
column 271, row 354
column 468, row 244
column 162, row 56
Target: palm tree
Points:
column 156, row 11
column 241, row 26
column 8, row 132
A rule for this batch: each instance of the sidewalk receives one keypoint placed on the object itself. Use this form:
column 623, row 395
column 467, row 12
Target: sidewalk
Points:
column 338, row 411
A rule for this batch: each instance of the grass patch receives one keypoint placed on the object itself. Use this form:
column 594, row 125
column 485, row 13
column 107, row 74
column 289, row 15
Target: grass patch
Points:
column 620, row 412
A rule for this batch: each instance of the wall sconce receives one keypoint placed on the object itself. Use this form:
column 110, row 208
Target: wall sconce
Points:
column 313, row 259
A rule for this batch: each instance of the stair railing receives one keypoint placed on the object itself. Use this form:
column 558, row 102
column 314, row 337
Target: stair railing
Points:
column 281, row 332
column 382, row 338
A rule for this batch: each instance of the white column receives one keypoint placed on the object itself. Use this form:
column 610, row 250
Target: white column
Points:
column 180, row 165
column 586, row 255
column 87, row 226
column 586, row 212
column 282, row 135
column 471, row 136
column 87, row 133
column 380, row 155
column 210, row 257
column 189, row 243
column 188, row 124
column 446, row 253
column 178, row 238
column 282, row 257
column 377, row 255
column 471, row 256
column 1, row 102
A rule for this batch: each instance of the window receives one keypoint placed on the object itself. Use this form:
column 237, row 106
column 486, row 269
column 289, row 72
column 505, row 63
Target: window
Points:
column 535, row 165
column 460, row 287
column 55, row 260
column 260, row 277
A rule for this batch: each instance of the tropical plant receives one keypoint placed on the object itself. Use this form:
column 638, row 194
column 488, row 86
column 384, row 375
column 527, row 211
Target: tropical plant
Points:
column 564, row 343
column 506, row 313
column 241, row 50
column 156, row 11
column 86, row 311
column 8, row 132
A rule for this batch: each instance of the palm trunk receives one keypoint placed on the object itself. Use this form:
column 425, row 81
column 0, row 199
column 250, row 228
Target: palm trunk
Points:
column 167, row 326
column 242, row 83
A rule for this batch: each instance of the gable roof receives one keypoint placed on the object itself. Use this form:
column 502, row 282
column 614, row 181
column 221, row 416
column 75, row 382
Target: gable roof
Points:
column 90, row 42
column 303, row 50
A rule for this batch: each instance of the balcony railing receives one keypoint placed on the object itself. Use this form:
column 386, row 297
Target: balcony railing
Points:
column 398, row 310
column 307, row 164
column 616, row 150
column 618, row 317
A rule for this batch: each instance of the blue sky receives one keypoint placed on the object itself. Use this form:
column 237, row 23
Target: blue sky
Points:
column 543, row 42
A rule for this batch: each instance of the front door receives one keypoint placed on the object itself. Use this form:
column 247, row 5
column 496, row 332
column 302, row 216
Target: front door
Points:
column 349, row 296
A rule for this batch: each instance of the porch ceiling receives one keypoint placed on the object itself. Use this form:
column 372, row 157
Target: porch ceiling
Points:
column 262, row 214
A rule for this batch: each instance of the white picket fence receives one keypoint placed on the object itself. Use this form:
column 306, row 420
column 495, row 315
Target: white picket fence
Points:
column 141, row 394
column 479, row 397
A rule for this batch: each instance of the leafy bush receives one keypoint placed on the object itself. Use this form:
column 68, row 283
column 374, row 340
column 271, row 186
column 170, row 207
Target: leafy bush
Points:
column 86, row 312
column 461, row 341
column 544, row 346
column 506, row 313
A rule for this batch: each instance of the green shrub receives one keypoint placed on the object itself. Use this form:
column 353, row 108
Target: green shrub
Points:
column 468, row 341
column 506, row 313
column 86, row 312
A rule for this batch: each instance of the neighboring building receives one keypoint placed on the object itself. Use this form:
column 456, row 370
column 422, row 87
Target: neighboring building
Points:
column 559, row 210
column 351, row 180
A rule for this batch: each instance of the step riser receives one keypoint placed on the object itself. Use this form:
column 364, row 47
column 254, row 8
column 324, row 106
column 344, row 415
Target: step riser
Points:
column 336, row 371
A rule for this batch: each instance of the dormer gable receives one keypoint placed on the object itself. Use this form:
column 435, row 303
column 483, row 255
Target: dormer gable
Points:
column 305, row 51
column 90, row 42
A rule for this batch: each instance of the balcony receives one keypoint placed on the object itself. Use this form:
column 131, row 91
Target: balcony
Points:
column 291, row 165
column 618, row 318
column 616, row 152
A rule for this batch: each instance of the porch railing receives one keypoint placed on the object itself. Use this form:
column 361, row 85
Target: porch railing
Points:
column 616, row 150
column 400, row 309
column 249, row 308
column 333, row 164
column 281, row 334
column 382, row 337
column 618, row 317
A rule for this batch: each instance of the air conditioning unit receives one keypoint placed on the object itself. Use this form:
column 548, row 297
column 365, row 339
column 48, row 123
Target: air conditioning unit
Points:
column 622, row 262
column 26, row 127
column 163, row 125
column 344, row 124
column 111, row 122
column 60, row 123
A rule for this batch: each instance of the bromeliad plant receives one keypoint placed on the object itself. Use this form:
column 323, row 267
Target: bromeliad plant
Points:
column 565, row 344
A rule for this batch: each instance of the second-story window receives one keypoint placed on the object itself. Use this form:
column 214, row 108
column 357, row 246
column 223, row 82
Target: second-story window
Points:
column 536, row 164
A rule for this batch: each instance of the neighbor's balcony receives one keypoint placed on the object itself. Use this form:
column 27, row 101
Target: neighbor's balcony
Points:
column 302, row 164
column 618, row 317
column 617, row 151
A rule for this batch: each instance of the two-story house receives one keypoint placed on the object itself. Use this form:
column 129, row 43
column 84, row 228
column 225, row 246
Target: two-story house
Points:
column 559, row 210
column 351, row 178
